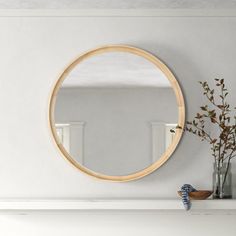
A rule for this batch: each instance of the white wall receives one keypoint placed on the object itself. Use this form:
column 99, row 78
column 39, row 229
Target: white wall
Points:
column 34, row 51
column 117, row 130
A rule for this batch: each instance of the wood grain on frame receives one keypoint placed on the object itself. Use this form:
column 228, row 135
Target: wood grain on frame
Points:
column 175, row 86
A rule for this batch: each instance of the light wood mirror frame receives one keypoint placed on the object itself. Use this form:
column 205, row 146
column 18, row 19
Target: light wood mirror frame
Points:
column 175, row 86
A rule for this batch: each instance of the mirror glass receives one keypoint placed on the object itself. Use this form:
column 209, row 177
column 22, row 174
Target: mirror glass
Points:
column 114, row 112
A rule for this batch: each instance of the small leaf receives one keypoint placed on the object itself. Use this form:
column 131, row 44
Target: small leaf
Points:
column 213, row 141
column 204, row 108
column 213, row 120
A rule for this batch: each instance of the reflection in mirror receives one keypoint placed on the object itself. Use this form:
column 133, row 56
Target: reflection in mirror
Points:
column 114, row 112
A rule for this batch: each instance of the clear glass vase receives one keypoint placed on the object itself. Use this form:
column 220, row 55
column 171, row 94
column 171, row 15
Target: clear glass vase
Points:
column 222, row 181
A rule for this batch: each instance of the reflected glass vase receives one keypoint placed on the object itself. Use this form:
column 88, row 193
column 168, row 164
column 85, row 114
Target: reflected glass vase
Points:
column 222, row 181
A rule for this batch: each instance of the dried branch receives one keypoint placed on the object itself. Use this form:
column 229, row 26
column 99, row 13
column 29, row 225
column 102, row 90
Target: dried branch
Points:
column 223, row 145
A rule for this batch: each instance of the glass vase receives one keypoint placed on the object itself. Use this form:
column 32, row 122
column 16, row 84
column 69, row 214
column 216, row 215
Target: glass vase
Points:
column 222, row 181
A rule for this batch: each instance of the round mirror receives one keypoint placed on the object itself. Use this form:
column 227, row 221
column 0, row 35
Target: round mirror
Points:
column 113, row 113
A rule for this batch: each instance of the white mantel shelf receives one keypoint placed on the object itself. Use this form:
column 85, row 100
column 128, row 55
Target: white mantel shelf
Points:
column 226, row 206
